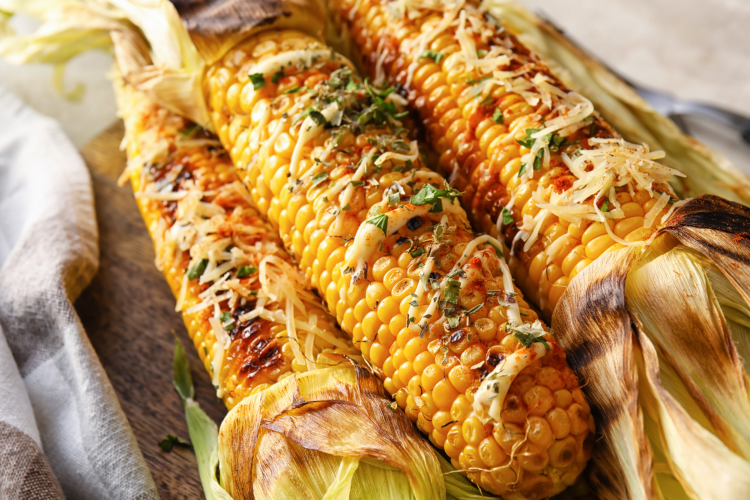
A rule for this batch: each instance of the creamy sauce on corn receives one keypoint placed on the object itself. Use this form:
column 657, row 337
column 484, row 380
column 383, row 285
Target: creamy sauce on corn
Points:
column 304, row 58
column 489, row 398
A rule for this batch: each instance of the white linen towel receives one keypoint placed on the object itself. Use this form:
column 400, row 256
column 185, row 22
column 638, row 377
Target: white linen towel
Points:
column 62, row 431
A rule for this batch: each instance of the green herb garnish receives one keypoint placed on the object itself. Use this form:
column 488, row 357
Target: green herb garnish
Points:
column 507, row 217
column 318, row 178
column 245, row 271
column 431, row 54
column 198, row 269
column 171, row 441
column 258, row 81
column 380, row 221
column 452, row 288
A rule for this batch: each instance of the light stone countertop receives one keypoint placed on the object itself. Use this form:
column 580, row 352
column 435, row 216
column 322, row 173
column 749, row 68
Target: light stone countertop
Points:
column 695, row 49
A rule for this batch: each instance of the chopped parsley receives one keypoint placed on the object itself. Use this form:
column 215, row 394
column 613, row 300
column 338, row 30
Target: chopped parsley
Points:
column 245, row 271
column 431, row 54
column 318, row 178
column 529, row 141
column 538, row 159
column 417, row 253
column 258, row 81
column 507, row 217
column 198, row 269
column 523, row 170
column 431, row 195
column 497, row 116
column 452, row 288
column 605, row 206
column 277, row 76
column 474, row 309
column 317, row 117
column 526, row 339
column 380, row 221
column 171, row 441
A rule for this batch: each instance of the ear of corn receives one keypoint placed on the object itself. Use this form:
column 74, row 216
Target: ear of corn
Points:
column 432, row 308
column 354, row 203
column 707, row 171
column 529, row 151
column 220, row 258
column 514, row 140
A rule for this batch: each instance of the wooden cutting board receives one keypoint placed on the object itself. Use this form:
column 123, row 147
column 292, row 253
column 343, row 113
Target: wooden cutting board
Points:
column 128, row 313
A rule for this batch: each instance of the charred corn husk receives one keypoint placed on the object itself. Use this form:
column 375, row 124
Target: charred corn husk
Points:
column 432, row 307
column 249, row 312
column 537, row 165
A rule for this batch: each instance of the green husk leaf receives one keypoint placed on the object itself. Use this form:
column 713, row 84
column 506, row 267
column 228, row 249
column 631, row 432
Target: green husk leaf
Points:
column 182, row 380
column 204, row 434
column 342, row 485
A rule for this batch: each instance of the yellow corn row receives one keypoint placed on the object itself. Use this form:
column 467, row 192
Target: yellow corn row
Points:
column 432, row 308
column 168, row 155
column 478, row 131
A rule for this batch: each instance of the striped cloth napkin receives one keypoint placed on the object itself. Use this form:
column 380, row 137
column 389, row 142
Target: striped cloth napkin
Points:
column 62, row 431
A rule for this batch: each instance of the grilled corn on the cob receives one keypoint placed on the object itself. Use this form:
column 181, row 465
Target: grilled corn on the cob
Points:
column 536, row 163
column 432, row 308
column 249, row 312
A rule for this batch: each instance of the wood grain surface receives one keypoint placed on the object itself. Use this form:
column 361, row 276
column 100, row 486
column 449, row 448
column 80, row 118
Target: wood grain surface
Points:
column 128, row 312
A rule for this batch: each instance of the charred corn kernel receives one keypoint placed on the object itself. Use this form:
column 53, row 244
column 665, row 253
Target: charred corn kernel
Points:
column 259, row 352
column 489, row 131
column 385, row 242
column 563, row 452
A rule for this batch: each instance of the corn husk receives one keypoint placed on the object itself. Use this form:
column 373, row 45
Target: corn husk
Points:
column 152, row 47
column 215, row 26
column 327, row 433
column 707, row 170
column 659, row 333
column 336, row 422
